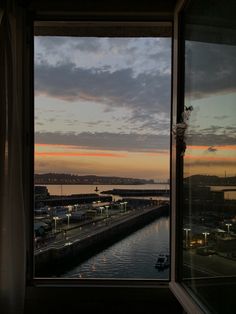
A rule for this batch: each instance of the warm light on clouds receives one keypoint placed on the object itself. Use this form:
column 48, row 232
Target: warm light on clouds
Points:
column 79, row 154
column 102, row 106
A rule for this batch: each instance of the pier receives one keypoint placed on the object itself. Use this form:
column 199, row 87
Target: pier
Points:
column 71, row 200
column 137, row 192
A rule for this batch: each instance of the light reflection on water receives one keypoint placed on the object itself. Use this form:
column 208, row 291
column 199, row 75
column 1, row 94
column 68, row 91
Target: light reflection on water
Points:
column 132, row 257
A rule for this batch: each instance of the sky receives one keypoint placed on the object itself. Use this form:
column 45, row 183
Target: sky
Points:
column 210, row 88
column 102, row 106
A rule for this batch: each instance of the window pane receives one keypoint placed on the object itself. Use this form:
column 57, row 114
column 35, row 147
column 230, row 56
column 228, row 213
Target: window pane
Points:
column 102, row 115
column 209, row 183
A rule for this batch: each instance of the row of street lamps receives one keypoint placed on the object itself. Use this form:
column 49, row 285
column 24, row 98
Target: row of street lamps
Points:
column 187, row 230
column 55, row 218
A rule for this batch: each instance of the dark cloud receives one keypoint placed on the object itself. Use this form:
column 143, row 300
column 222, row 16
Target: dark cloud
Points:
column 212, row 149
column 210, row 68
column 212, row 136
column 209, row 163
column 210, row 139
column 149, row 93
column 107, row 141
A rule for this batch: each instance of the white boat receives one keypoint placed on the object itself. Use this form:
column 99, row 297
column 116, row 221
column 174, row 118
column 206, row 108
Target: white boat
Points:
column 163, row 261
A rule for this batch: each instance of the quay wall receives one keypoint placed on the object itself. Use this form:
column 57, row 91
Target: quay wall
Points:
column 56, row 261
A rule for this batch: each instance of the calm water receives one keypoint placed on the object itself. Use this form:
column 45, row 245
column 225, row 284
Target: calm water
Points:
column 81, row 189
column 132, row 257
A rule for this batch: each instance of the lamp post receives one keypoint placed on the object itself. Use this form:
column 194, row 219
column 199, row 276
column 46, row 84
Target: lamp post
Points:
column 55, row 220
column 187, row 230
column 68, row 217
column 228, row 225
column 107, row 207
column 205, row 236
column 101, row 209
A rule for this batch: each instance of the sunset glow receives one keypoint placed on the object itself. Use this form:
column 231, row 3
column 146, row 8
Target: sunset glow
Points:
column 102, row 106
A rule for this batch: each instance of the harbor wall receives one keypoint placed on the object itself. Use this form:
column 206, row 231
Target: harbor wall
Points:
column 56, row 261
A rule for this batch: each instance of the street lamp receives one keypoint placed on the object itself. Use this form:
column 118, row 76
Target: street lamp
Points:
column 125, row 203
column 107, row 210
column 55, row 220
column 186, row 236
column 101, row 209
column 205, row 235
column 68, row 216
column 228, row 225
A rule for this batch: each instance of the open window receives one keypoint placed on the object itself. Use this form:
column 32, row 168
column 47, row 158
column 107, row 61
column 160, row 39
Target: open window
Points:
column 204, row 200
column 102, row 146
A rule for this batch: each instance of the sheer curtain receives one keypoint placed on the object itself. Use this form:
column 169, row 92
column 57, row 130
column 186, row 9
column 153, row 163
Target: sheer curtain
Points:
column 12, row 214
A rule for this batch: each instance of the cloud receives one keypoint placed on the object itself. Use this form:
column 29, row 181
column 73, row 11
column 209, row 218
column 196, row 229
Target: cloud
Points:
column 210, row 68
column 194, row 161
column 149, row 93
column 212, row 136
column 106, row 141
column 212, row 149
column 78, row 154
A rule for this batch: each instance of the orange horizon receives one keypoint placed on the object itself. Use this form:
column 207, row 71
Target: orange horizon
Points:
column 63, row 154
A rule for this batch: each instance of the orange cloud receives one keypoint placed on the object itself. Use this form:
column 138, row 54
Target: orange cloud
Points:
column 87, row 154
column 201, row 147
column 56, row 145
column 210, row 158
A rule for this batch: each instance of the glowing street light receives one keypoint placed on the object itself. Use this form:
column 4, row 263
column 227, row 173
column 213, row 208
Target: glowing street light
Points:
column 107, row 207
column 205, row 235
column 55, row 220
column 125, row 203
column 68, row 217
column 228, row 225
column 101, row 209
column 187, row 230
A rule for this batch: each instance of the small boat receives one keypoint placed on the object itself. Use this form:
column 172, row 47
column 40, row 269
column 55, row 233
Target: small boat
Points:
column 163, row 261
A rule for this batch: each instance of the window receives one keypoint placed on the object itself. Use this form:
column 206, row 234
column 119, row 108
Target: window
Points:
column 206, row 179
column 102, row 131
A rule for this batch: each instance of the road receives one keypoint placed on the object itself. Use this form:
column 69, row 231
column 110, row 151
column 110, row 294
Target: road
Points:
column 83, row 231
column 211, row 265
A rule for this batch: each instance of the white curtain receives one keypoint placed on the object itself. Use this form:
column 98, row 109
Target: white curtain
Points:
column 12, row 212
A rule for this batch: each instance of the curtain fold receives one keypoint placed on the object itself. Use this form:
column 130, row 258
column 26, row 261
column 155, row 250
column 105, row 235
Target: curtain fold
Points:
column 12, row 211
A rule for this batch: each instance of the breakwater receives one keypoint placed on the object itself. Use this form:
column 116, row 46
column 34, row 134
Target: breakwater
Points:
column 137, row 192
column 71, row 200
column 56, row 261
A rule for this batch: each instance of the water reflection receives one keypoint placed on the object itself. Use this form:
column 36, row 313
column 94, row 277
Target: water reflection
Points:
column 133, row 257
column 209, row 184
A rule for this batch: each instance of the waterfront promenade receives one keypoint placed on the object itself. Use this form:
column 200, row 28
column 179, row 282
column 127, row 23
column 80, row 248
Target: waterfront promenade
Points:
column 82, row 238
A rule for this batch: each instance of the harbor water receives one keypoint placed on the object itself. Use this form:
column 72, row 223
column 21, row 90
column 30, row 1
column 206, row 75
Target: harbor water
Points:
column 134, row 257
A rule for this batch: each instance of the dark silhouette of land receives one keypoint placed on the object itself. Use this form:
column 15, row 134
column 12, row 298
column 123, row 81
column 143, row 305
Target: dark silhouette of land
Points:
column 62, row 178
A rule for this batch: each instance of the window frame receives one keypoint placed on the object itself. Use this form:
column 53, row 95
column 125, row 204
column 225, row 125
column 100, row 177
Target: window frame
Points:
column 172, row 285
column 87, row 27
column 187, row 299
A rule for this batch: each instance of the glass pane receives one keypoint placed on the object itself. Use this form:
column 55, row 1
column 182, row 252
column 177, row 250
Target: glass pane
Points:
column 102, row 115
column 209, row 183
